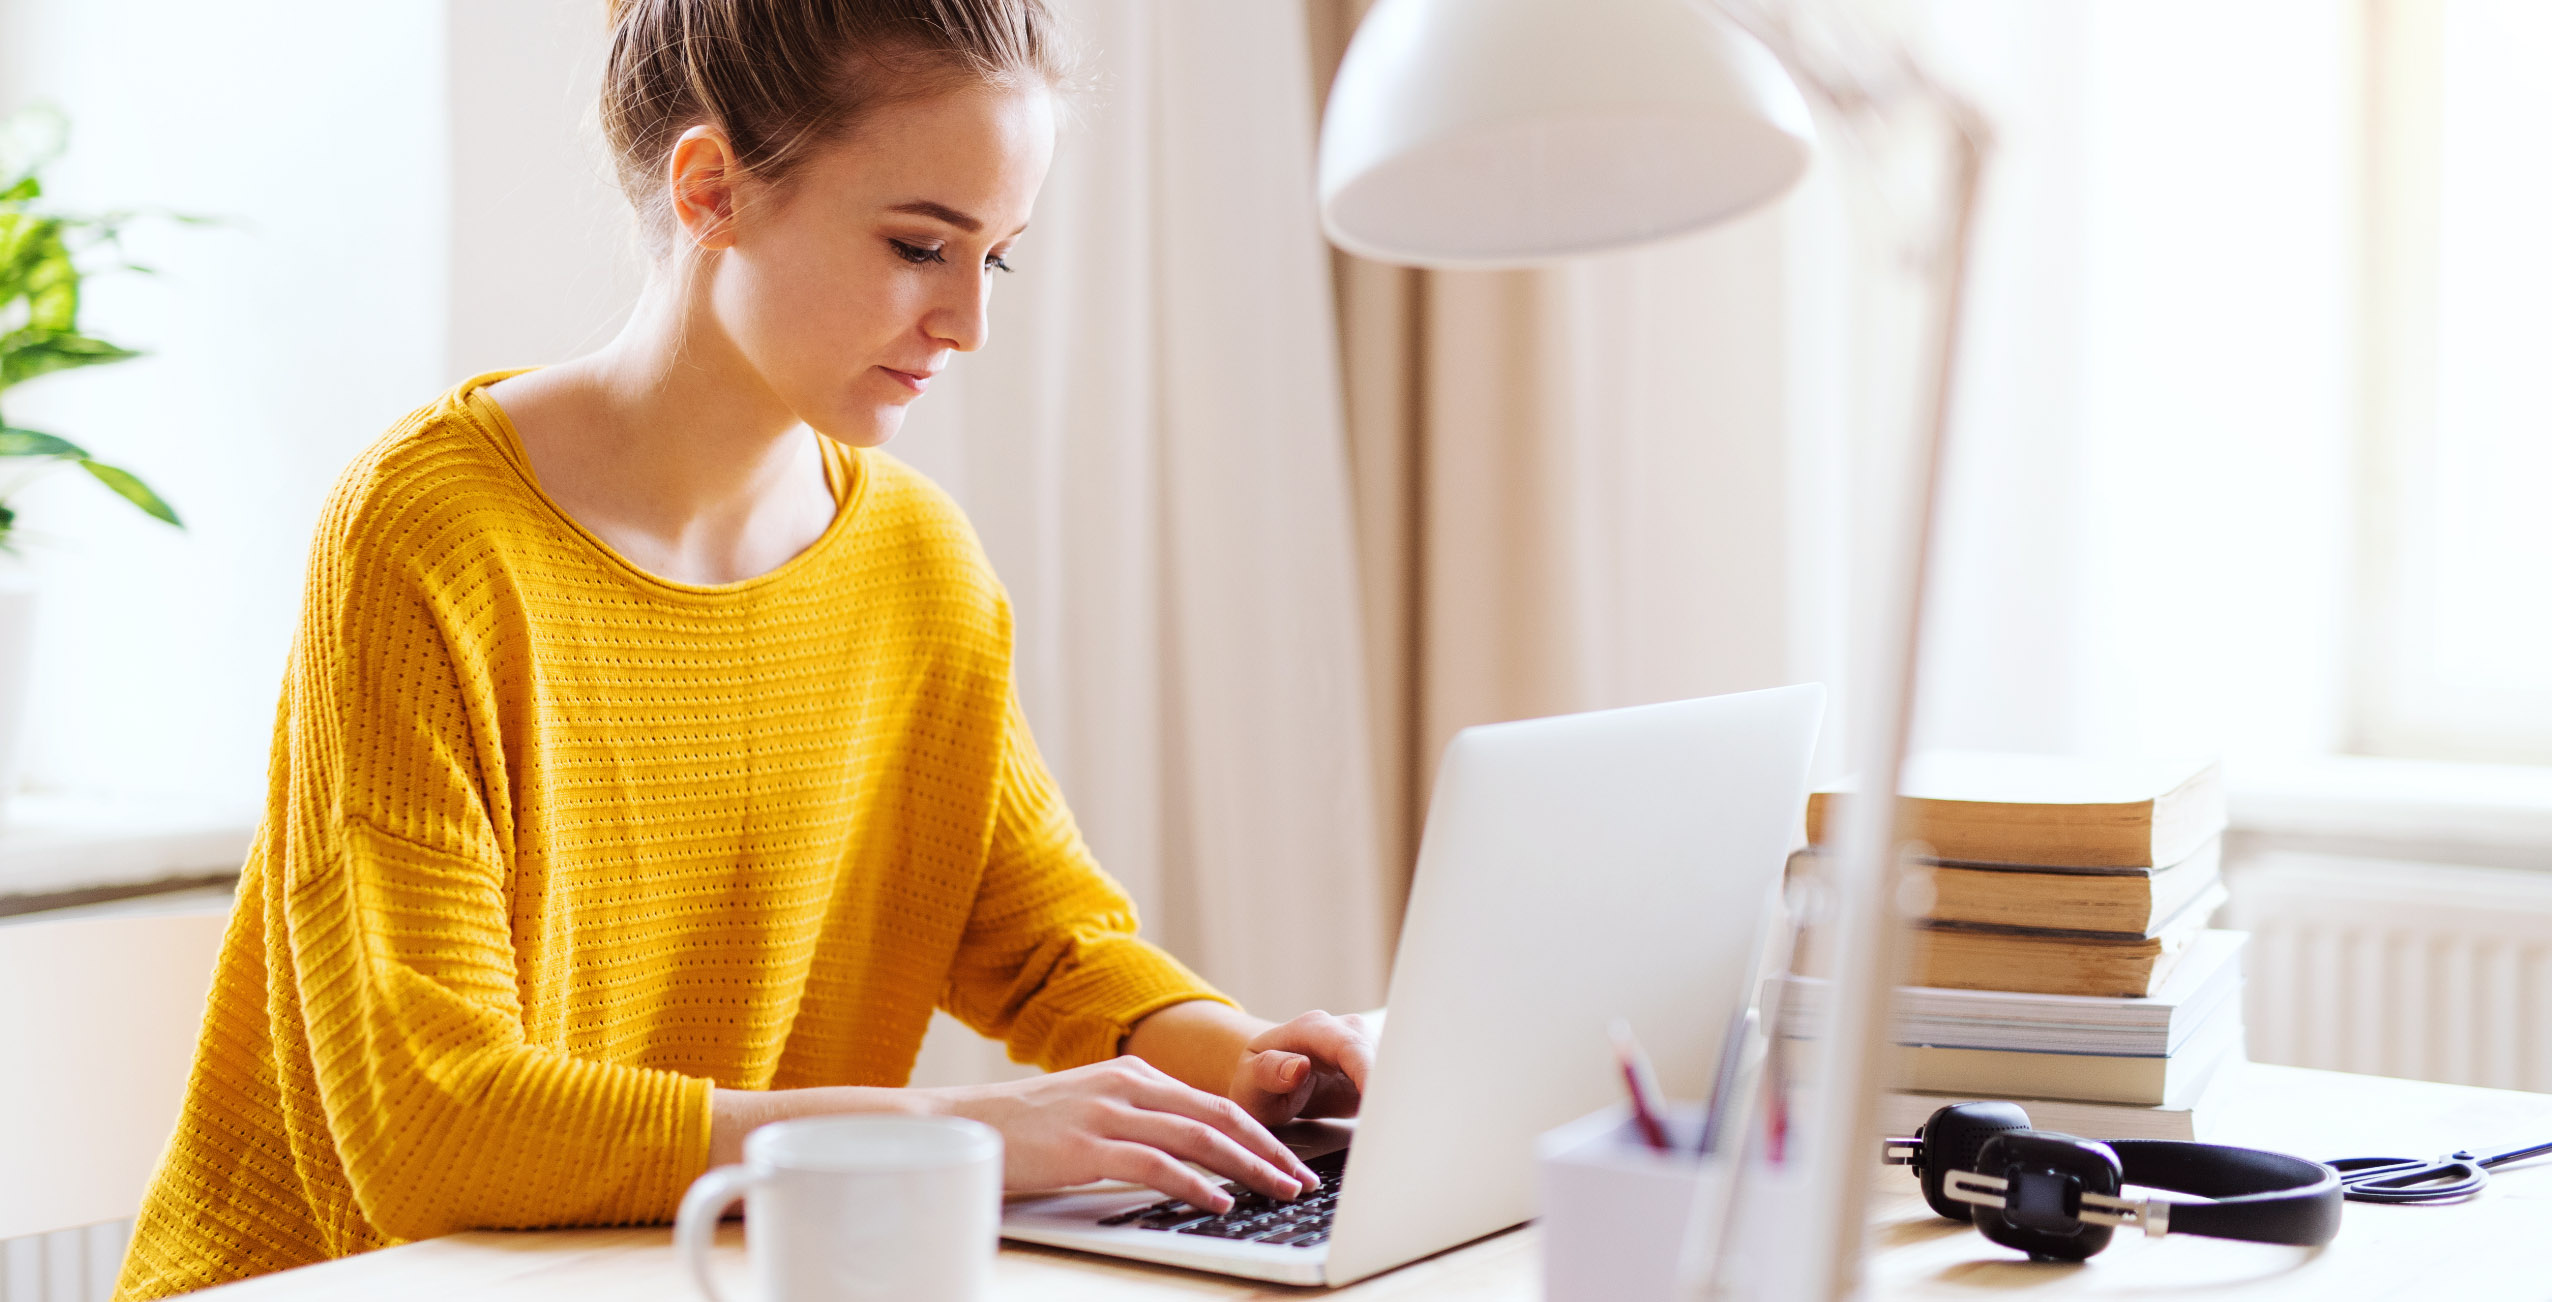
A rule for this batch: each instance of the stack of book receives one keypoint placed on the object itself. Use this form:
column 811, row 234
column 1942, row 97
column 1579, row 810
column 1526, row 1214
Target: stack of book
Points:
column 2064, row 960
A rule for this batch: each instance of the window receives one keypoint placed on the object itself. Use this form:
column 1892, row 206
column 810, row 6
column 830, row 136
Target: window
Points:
column 2456, row 656
column 2255, row 439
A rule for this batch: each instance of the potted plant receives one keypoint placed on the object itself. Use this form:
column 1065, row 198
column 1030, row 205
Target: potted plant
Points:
column 42, row 250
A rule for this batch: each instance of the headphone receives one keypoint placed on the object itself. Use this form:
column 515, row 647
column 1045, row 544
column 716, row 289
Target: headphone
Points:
column 2056, row 1197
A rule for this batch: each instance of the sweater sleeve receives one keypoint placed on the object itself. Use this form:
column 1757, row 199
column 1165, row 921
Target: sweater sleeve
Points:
column 1050, row 961
column 441, row 1114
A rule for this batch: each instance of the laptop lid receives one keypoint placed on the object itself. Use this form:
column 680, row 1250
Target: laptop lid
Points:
column 1573, row 870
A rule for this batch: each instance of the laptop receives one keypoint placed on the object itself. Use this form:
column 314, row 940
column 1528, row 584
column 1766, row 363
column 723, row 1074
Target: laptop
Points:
column 1573, row 870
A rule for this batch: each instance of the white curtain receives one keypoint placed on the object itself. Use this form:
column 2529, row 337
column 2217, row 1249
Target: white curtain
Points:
column 1152, row 448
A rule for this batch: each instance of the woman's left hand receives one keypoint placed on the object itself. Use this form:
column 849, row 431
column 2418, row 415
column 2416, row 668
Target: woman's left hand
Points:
column 1312, row 1066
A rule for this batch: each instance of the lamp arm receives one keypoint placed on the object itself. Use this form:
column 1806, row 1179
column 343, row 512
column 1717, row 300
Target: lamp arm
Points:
column 1869, row 932
column 1867, row 89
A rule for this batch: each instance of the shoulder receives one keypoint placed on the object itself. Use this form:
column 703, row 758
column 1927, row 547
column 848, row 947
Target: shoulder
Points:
column 918, row 574
column 912, row 531
column 909, row 507
column 434, row 495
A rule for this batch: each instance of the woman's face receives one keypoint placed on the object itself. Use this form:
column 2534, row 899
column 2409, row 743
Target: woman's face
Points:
column 847, row 288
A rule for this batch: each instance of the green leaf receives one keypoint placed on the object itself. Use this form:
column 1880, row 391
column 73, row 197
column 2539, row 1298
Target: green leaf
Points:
column 131, row 490
column 52, row 283
column 36, row 265
column 21, row 246
column 27, row 188
column 30, row 443
column 26, row 354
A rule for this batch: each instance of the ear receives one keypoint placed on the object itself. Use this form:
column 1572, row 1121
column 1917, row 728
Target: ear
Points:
column 703, row 174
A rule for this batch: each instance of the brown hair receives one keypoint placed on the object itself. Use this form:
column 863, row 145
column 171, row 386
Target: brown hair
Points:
column 784, row 77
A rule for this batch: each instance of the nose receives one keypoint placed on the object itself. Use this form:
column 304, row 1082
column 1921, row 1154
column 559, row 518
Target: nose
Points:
column 960, row 319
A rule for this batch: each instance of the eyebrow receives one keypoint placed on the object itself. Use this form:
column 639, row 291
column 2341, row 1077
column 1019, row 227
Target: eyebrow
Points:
column 926, row 208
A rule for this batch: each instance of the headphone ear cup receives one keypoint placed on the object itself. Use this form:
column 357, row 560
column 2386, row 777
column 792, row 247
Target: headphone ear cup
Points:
column 1951, row 1141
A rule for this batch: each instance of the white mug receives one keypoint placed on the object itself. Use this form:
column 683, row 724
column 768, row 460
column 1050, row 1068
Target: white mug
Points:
column 857, row 1207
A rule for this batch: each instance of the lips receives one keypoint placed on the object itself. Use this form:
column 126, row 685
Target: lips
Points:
column 917, row 381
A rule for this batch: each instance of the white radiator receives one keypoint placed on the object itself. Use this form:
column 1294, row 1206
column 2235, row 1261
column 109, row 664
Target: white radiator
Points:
column 64, row 1266
column 2420, row 970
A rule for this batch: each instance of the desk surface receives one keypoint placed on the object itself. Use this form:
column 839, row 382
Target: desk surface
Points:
column 2492, row 1247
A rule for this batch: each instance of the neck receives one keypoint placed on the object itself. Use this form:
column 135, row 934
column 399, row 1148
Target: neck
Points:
column 671, row 448
column 696, row 434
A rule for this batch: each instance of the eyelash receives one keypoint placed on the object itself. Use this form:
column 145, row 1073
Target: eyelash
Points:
column 917, row 255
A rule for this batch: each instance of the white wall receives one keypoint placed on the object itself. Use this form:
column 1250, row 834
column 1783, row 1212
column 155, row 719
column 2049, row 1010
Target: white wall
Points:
column 412, row 190
column 543, row 262
column 283, row 342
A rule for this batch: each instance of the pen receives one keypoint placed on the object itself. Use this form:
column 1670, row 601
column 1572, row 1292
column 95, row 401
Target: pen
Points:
column 1641, row 1080
column 1776, row 1104
column 1723, row 1086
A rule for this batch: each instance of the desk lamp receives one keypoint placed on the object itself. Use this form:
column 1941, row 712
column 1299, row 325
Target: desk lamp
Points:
column 1513, row 133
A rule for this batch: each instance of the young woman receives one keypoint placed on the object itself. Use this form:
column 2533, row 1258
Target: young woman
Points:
column 649, row 766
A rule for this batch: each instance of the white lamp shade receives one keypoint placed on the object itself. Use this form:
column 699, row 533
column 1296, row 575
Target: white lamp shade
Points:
column 1494, row 133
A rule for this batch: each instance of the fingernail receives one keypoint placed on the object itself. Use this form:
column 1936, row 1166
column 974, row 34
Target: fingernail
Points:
column 1290, row 1072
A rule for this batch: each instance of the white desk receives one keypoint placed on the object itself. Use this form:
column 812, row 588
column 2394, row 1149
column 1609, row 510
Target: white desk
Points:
column 2497, row 1246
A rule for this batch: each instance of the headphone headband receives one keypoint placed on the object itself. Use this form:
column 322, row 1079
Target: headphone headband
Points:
column 2057, row 1197
column 2260, row 1196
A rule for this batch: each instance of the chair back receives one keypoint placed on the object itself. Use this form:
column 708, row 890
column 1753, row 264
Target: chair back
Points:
column 98, row 1020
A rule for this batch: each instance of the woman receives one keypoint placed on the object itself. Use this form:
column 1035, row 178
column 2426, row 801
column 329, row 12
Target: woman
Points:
column 649, row 766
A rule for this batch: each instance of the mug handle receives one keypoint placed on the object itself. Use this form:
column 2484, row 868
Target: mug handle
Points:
column 695, row 1227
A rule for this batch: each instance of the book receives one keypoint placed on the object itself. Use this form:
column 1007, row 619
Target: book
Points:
column 2118, row 903
column 2038, row 961
column 2051, row 811
column 2086, row 1077
column 2207, row 978
column 2109, row 902
column 2193, row 1117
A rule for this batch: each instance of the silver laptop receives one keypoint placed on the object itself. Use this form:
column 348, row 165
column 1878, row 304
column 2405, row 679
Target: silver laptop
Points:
column 1574, row 870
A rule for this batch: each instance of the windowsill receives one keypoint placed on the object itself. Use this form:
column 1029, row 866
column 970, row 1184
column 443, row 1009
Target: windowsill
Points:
column 2490, row 814
column 56, row 844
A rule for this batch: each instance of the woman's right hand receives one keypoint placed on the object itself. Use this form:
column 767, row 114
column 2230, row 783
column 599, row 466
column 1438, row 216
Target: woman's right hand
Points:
column 1125, row 1119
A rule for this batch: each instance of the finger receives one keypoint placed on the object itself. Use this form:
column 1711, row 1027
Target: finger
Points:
column 1276, row 1087
column 1334, row 1097
column 1144, row 1165
column 1342, row 1042
column 1194, row 1141
column 1162, row 1094
column 1355, row 1050
column 1278, row 1072
column 1286, row 1079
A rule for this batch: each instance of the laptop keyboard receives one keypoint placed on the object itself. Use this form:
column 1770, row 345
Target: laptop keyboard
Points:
column 1255, row 1217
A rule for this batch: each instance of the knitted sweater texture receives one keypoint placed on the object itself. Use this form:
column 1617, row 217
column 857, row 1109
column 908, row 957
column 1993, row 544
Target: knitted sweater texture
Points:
column 553, row 846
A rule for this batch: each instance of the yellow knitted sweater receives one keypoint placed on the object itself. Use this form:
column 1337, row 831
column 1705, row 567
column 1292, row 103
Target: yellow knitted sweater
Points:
column 553, row 846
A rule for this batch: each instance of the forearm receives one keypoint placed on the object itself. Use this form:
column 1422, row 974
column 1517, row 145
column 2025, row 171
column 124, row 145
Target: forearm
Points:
column 1199, row 1042
column 733, row 1114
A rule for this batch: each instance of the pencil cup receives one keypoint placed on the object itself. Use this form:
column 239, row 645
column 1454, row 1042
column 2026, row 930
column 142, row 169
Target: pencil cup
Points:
column 1615, row 1211
column 849, row 1209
